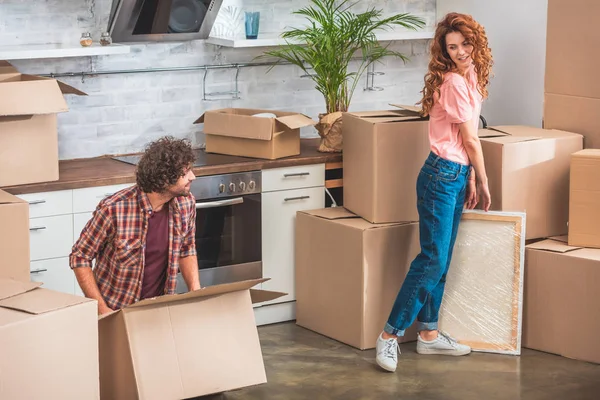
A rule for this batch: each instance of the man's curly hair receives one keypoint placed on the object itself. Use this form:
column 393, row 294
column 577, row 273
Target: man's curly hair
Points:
column 163, row 163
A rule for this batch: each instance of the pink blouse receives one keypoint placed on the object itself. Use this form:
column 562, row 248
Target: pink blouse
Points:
column 458, row 102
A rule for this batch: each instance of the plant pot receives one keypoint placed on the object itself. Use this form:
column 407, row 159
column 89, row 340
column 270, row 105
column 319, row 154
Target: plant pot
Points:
column 330, row 130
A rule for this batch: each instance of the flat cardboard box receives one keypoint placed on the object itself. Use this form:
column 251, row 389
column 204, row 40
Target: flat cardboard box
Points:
column 584, row 204
column 235, row 131
column 572, row 30
column 528, row 171
column 383, row 154
column 561, row 299
column 181, row 346
column 574, row 114
column 349, row 272
column 14, row 237
column 28, row 130
column 49, row 344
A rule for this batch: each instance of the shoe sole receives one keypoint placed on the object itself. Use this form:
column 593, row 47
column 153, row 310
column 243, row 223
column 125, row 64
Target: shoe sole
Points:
column 388, row 369
column 443, row 352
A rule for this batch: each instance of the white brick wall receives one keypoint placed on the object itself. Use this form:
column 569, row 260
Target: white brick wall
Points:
column 125, row 111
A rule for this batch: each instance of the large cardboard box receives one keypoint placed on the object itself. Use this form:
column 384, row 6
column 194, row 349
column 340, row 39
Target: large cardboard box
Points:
column 237, row 132
column 572, row 90
column 14, row 237
column 383, row 154
column 561, row 299
column 181, row 346
column 28, row 131
column 349, row 272
column 48, row 344
column 584, row 205
column 528, row 170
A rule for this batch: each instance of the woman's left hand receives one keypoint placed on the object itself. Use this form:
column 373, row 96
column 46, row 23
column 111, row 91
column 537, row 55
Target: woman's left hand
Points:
column 471, row 195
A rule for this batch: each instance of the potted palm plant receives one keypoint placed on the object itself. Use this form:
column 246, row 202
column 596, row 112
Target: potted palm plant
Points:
column 324, row 49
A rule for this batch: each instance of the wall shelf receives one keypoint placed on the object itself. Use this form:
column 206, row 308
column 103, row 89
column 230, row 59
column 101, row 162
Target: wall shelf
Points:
column 30, row 52
column 269, row 40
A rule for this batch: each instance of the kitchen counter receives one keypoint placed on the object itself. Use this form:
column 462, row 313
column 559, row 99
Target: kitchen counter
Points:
column 101, row 171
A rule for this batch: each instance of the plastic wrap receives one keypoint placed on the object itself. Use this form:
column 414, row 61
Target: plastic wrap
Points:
column 483, row 299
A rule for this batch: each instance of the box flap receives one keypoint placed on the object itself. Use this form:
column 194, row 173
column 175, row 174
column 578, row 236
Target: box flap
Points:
column 203, row 292
column 511, row 133
column 260, row 296
column 31, row 97
column 200, row 120
column 7, row 198
column 330, row 213
column 40, row 301
column 415, row 109
column 67, row 89
column 7, row 68
column 553, row 245
column 296, row 121
column 10, row 288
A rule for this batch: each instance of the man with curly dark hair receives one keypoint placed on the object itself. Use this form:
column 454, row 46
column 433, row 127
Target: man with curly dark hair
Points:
column 142, row 236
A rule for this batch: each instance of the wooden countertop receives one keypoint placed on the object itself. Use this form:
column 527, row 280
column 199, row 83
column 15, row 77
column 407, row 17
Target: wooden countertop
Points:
column 101, row 171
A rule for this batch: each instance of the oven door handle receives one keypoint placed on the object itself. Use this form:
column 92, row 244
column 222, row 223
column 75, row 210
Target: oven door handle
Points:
column 220, row 203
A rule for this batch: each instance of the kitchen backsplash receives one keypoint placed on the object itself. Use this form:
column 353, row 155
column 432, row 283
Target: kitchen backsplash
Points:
column 125, row 111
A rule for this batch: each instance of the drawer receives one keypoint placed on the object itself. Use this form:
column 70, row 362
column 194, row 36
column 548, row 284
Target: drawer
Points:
column 87, row 199
column 79, row 221
column 55, row 274
column 293, row 177
column 50, row 237
column 48, row 204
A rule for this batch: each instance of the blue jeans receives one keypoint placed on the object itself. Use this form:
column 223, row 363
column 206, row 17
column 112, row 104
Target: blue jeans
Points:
column 441, row 187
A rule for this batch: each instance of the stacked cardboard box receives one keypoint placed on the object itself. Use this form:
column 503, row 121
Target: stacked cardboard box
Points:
column 572, row 88
column 351, row 262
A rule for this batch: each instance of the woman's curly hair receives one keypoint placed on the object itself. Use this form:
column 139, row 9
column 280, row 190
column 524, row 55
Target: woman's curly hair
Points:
column 441, row 62
column 163, row 163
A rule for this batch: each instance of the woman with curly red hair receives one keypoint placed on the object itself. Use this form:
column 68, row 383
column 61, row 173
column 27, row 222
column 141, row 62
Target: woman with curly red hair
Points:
column 452, row 178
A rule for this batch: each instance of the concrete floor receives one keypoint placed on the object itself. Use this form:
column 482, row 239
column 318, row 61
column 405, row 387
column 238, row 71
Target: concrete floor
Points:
column 301, row 364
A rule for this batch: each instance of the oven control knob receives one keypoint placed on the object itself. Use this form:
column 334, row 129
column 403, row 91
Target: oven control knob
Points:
column 251, row 185
column 221, row 188
column 242, row 186
column 232, row 187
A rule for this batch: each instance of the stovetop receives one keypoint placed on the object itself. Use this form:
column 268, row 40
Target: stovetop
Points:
column 202, row 159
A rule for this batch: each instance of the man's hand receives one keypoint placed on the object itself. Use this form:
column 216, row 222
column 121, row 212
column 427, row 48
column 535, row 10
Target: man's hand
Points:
column 471, row 195
column 103, row 308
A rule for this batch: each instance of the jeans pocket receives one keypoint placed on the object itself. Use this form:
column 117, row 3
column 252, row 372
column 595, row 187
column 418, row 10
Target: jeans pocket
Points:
column 448, row 175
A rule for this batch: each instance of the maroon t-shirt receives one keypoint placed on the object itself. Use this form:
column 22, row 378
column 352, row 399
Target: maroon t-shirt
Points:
column 156, row 254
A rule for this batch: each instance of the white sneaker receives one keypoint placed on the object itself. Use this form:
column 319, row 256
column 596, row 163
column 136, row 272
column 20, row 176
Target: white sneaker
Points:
column 443, row 344
column 387, row 353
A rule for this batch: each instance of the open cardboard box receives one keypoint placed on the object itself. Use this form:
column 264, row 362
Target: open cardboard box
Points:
column 185, row 345
column 528, row 171
column 48, row 343
column 237, row 132
column 28, row 128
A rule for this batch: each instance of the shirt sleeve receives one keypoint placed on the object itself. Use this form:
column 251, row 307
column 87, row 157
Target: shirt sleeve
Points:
column 92, row 238
column 188, row 245
column 455, row 100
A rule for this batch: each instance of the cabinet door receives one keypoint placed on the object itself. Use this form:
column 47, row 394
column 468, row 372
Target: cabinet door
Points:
column 79, row 221
column 278, row 227
column 50, row 237
column 55, row 274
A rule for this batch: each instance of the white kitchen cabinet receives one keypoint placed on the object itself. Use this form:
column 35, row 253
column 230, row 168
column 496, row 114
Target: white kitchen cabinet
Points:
column 285, row 191
column 48, row 204
column 279, row 216
column 50, row 237
column 87, row 199
column 79, row 221
column 55, row 274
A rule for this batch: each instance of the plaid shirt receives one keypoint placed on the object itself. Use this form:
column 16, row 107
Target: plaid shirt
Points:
column 116, row 238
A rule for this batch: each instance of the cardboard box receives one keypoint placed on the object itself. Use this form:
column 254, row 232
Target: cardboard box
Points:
column 383, row 154
column 570, row 66
column 235, row 131
column 28, row 132
column 181, row 346
column 574, row 114
column 584, row 205
column 528, row 170
column 14, row 238
column 561, row 299
column 49, row 344
column 349, row 272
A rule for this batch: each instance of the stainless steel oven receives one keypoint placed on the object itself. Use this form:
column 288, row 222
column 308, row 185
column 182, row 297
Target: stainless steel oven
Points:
column 228, row 228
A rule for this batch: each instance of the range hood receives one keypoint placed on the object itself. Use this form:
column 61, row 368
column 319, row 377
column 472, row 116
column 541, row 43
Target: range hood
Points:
column 161, row 20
